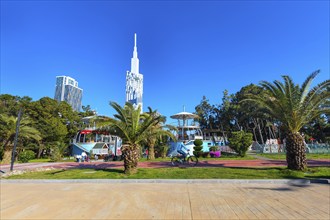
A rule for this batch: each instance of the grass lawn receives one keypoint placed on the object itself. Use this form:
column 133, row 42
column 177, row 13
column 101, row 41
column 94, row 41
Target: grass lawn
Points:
column 43, row 160
column 229, row 156
column 282, row 156
column 179, row 173
column 224, row 156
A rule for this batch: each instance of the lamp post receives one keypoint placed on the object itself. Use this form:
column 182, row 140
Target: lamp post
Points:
column 15, row 140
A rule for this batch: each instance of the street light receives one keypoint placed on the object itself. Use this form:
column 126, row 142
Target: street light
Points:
column 15, row 141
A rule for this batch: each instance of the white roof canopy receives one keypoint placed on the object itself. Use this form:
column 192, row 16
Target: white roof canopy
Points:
column 184, row 115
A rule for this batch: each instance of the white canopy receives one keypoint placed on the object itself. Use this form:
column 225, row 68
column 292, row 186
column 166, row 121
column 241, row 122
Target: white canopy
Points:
column 184, row 115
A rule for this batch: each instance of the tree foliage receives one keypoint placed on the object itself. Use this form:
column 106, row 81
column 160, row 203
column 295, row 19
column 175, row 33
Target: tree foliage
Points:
column 44, row 122
column 8, row 125
column 205, row 111
column 198, row 147
column 134, row 128
column 26, row 155
column 294, row 106
column 240, row 141
column 156, row 134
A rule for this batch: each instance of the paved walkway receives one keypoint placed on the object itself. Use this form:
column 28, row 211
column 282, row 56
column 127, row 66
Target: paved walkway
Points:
column 126, row 199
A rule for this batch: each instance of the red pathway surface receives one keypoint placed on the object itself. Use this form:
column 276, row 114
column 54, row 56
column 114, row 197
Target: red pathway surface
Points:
column 119, row 164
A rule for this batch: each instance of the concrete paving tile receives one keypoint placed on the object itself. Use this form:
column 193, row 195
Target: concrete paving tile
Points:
column 184, row 200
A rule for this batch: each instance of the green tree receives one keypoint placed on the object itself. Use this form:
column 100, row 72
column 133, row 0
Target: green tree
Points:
column 50, row 121
column 10, row 105
column 58, row 151
column 240, row 141
column 294, row 106
column 157, row 132
column 133, row 127
column 206, row 114
column 70, row 119
column 260, row 123
column 198, row 147
column 87, row 111
column 319, row 129
column 8, row 123
column 150, row 141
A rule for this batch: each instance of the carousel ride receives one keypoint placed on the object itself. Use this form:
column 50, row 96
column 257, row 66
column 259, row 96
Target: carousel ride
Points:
column 188, row 130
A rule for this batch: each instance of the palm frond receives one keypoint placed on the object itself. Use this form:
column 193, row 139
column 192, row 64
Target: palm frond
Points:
column 291, row 105
column 307, row 83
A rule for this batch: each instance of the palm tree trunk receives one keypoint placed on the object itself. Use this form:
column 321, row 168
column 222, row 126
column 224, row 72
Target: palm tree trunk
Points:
column 10, row 138
column 131, row 155
column 151, row 152
column 295, row 152
column 164, row 151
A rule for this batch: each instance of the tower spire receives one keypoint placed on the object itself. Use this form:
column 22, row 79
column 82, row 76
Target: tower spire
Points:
column 135, row 59
column 135, row 47
column 134, row 39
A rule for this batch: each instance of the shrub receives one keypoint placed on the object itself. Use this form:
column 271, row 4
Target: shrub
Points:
column 198, row 142
column 205, row 154
column 26, row 155
column 215, row 151
column 214, row 148
column 198, row 147
column 55, row 154
column 240, row 142
column 215, row 154
column 162, row 150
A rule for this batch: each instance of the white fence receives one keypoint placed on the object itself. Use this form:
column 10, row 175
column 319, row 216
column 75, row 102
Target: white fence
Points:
column 280, row 148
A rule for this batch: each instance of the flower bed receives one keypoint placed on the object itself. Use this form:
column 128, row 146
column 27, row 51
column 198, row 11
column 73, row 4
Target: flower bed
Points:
column 215, row 154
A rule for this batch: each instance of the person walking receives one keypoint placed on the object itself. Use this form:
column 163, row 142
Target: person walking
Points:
column 83, row 156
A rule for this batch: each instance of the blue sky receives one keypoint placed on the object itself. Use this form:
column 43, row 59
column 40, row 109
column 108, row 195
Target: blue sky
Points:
column 187, row 49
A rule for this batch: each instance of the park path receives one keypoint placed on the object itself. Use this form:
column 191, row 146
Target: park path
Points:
column 4, row 168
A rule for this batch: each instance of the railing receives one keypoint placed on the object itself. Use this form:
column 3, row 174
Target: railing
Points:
column 280, row 148
column 318, row 148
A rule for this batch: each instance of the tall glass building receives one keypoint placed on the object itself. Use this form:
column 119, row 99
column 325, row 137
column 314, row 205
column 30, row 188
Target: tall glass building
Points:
column 67, row 90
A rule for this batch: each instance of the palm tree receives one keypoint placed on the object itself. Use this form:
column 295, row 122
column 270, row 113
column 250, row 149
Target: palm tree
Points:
column 158, row 132
column 133, row 128
column 294, row 106
column 25, row 130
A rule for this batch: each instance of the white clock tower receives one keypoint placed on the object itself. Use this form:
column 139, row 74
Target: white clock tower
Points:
column 134, row 81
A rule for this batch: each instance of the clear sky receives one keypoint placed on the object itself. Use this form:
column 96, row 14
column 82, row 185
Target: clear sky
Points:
column 187, row 49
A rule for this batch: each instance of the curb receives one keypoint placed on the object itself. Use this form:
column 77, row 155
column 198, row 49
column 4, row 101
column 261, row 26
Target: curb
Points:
column 293, row 182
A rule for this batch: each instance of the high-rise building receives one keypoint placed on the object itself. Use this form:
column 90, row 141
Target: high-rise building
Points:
column 134, row 81
column 67, row 90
